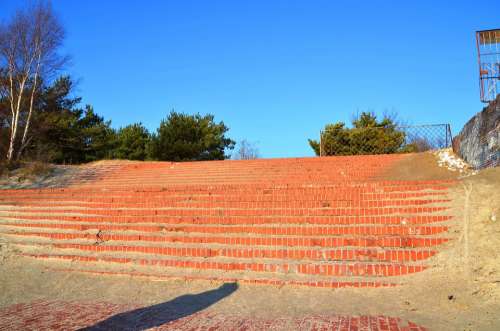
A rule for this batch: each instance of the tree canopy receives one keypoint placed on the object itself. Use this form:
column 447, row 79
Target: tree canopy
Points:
column 62, row 132
column 366, row 136
column 132, row 142
column 183, row 137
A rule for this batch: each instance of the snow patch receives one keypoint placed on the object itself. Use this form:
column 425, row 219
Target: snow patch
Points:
column 446, row 158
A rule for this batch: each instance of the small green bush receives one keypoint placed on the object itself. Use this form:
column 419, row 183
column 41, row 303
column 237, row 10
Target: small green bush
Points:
column 366, row 136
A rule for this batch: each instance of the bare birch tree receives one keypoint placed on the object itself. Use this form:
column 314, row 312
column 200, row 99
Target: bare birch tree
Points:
column 29, row 46
column 246, row 151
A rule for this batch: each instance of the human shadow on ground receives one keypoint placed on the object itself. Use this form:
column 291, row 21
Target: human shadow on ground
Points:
column 159, row 314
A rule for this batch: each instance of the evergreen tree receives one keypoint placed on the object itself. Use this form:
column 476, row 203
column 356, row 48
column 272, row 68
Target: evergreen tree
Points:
column 131, row 142
column 183, row 137
column 64, row 133
column 367, row 136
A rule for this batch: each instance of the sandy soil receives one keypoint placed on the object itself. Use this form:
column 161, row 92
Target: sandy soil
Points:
column 461, row 291
column 57, row 175
column 421, row 166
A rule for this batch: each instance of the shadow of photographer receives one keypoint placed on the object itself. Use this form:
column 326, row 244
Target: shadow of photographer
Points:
column 159, row 314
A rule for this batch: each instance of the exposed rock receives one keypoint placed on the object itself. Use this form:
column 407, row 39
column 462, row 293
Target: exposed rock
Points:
column 479, row 141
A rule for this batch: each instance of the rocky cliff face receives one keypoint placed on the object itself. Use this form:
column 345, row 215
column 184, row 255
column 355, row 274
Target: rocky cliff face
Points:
column 479, row 141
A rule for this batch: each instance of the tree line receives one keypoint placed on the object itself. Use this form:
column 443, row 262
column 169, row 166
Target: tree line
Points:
column 41, row 120
column 63, row 132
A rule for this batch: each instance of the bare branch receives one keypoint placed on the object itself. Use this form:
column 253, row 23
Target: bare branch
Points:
column 29, row 52
column 246, row 151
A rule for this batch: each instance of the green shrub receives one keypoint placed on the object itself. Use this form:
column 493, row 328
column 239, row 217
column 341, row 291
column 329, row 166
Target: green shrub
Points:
column 183, row 137
column 131, row 142
column 366, row 136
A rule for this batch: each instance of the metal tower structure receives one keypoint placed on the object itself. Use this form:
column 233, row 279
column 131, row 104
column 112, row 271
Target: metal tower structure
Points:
column 488, row 56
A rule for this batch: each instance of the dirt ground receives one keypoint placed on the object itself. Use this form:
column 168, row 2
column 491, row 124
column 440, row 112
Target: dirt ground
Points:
column 461, row 291
column 53, row 175
column 418, row 167
column 36, row 175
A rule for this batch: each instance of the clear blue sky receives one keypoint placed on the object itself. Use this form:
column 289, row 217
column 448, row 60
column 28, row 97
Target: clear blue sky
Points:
column 275, row 71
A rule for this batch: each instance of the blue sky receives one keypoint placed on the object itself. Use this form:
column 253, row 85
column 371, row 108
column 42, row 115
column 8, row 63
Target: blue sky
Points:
column 275, row 71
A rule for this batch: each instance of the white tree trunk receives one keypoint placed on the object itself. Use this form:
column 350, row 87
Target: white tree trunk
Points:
column 28, row 120
column 13, row 114
column 15, row 119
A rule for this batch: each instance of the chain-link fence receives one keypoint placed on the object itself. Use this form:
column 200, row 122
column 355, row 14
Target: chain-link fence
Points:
column 337, row 140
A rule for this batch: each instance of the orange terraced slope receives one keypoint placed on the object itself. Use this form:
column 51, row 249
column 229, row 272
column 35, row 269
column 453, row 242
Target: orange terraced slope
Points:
column 324, row 222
